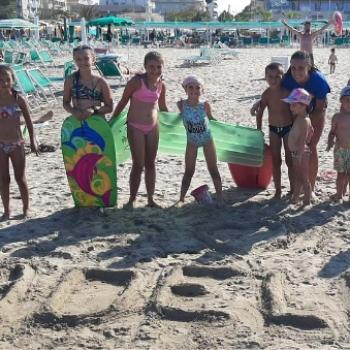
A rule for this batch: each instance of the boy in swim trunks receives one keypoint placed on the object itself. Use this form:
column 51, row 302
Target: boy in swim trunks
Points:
column 340, row 137
column 280, row 122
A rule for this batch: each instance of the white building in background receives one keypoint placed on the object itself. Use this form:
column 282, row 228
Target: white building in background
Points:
column 27, row 9
column 213, row 9
column 168, row 6
column 74, row 4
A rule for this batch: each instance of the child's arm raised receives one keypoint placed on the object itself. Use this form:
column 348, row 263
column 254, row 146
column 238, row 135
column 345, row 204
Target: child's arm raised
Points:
column 130, row 88
column 162, row 101
column 22, row 103
column 207, row 109
column 260, row 111
column 331, row 135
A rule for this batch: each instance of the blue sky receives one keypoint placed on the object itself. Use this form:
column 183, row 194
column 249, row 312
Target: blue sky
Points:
column 235, row 5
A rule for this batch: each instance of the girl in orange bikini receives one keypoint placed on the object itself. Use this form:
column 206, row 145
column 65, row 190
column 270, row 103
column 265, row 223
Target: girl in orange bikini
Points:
column 12, row 106
column 144, row 92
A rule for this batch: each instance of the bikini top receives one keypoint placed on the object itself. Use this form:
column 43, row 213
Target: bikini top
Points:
column 82, row 92
column 146, row 95
column 11, row 111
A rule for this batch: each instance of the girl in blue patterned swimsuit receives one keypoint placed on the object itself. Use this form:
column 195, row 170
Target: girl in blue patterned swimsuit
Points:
column 196, row 116
column 12, row 106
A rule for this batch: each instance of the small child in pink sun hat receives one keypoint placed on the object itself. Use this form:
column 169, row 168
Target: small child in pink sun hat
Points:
column 298, row 139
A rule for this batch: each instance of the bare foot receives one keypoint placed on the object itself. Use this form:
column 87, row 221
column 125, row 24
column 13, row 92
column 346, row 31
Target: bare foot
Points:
column 5, row 217
column 336, row 198
column 26, row 214
column 313, row 198
column 278, row 194
column 129, row 205
column 294, row 200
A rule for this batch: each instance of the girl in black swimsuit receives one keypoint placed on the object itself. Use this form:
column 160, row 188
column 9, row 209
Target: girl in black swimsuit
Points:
column 85, row 93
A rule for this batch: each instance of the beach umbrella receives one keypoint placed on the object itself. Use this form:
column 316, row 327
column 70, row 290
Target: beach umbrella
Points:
column 17, row 23
column 83, row 31
column 36, row 32
column 110, row 20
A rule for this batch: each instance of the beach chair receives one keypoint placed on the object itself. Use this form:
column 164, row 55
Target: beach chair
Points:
column 110, row 69
column 263, row 41
column 206, row 56
column 21, row 58
column 9, row 57
column 43, row 83
column 41, row 56
column 27, row 87
column 225, row 51
column 45, row 56
column 69, row 68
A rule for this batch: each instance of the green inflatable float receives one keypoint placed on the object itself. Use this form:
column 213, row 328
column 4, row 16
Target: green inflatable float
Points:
column 92, row 148
column 234, row 144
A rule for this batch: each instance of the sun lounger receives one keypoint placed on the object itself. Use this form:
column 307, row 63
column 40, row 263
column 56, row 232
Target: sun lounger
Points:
column 110, row 69
column 207, row 55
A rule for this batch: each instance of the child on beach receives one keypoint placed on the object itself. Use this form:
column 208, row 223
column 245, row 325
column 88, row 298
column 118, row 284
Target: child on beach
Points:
column 12, row 106
column 85, row 92
column 298, row 139
column 196, row 116
column 144, row 91
column 332, row 60
column 340, row 131
column 280, row 122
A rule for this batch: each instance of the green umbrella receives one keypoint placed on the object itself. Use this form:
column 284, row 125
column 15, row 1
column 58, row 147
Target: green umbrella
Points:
column 17, row 23
column 110, row 20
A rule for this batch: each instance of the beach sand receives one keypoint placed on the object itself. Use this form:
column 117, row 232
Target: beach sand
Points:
column 256, row 274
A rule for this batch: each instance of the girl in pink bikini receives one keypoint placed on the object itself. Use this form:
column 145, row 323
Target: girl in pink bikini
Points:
column 12, row 106
column 144, row 92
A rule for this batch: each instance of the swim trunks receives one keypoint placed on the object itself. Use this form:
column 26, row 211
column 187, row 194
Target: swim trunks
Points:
column 280, row 131
column 342, row 160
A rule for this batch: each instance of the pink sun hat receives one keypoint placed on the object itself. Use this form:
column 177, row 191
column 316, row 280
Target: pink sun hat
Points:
column 192, row 79
column 298, row 96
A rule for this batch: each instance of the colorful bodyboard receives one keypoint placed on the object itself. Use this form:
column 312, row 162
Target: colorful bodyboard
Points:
column 234, row 144
column 89, row 158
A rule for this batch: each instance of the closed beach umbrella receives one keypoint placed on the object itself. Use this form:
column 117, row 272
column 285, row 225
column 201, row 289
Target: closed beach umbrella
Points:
column 83, row 31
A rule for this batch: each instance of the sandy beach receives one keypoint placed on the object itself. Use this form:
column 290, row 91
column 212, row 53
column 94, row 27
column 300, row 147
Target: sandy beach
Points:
column 255, row 274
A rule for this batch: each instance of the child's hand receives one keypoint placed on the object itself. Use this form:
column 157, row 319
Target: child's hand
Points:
column 255, row 108
column 84, row 114
column 34, row 148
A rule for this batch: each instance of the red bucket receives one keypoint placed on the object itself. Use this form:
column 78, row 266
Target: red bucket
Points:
column 202, row 195
column 253, row 177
